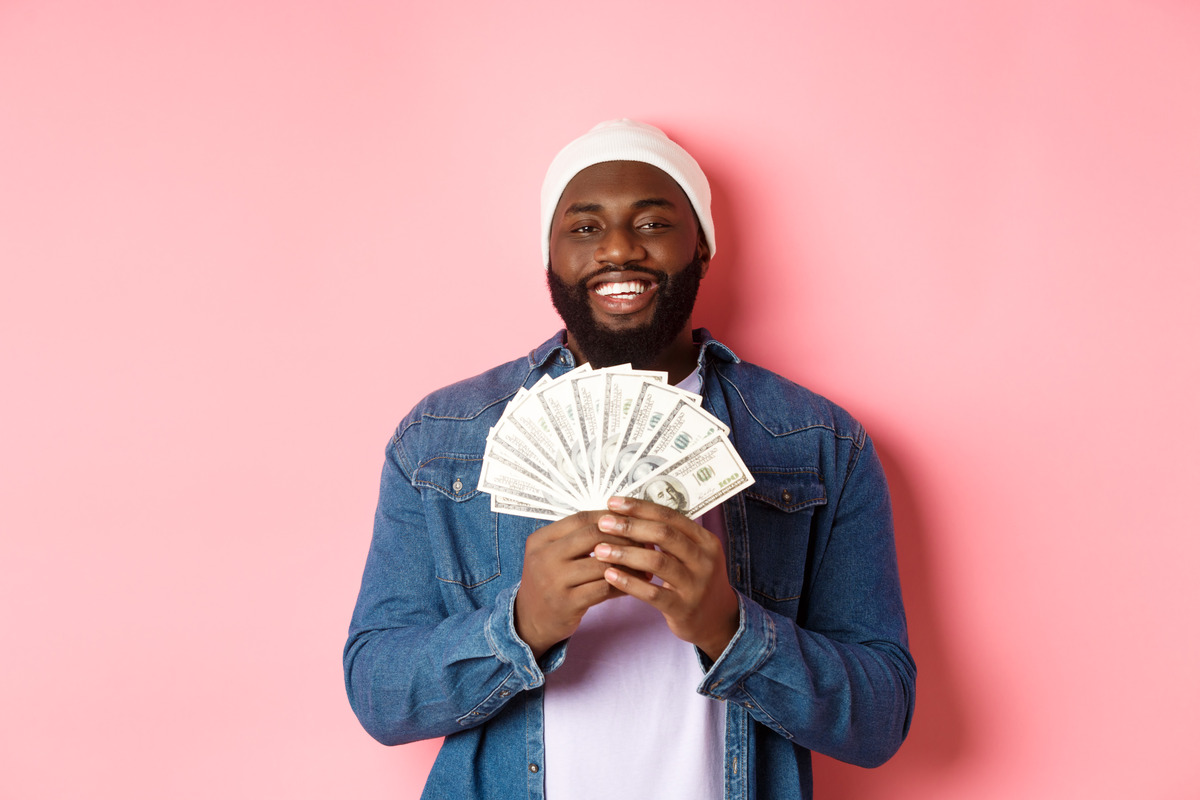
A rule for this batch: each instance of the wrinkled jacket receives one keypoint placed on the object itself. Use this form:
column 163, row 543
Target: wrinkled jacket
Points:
column 820, row 660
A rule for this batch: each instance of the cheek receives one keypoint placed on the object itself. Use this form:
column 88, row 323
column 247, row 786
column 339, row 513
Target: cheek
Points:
column 567, row 264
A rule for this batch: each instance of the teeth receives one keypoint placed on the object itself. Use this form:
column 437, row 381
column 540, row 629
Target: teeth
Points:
column 628, row 287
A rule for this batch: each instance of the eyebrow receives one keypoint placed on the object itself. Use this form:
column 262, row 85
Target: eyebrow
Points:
column 592, row 208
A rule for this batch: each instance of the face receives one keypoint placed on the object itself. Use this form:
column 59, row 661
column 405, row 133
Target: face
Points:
column 664, row 494
column 626, row 259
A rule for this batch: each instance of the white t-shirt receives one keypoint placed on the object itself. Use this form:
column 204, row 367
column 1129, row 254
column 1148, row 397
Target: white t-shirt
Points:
column 622, row 715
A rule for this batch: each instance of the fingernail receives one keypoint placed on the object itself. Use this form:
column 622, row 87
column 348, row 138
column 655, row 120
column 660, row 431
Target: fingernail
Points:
column 618, row 503
column 608, row 523
column 603, row 550
column 613, row 576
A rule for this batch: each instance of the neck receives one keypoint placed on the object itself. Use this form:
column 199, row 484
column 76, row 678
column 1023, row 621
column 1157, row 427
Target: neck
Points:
column 678, row 359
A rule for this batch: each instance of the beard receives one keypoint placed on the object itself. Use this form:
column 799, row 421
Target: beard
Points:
column 638, row 346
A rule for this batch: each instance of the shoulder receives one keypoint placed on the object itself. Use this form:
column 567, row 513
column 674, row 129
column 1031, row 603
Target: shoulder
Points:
column 469, row 399
column 759, row 397
column 456, row 418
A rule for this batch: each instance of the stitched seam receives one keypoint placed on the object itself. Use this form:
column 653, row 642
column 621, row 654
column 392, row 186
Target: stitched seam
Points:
column 763, row 425
column 501, row 399
column 468, row 585
column 450, row 457
column 816, row 501
column 763, row 594
column 767, row 651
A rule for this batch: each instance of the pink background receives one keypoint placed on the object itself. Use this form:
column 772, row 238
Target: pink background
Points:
column 240, row 239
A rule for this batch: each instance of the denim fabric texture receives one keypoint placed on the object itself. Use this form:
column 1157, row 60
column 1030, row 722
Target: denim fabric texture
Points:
column 820, row 660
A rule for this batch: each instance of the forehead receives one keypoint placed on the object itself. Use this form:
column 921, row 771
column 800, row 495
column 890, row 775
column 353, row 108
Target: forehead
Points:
column 621, row 183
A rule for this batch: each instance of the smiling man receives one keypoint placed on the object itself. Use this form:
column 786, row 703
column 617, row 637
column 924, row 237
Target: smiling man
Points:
column 634, row 651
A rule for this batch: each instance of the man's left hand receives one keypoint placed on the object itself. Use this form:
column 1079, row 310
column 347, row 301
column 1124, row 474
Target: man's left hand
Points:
column 695, row 596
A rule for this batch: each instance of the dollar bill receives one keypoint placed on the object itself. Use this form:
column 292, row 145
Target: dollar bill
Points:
column 588, row 391
column 684, row 428
column 697, row 483
column 651, row 405
column 557, row 400
column 526, row 423
column 621, row 388
column 502, row 504
column 507, row 444
column 568, row 444
column 503, row 476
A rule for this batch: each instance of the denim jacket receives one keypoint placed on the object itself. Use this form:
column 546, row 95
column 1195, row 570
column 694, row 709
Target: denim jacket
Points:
column 820, row 659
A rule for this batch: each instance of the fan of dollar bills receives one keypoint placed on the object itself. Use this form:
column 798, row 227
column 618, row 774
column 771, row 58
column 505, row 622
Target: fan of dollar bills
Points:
column 570, row 443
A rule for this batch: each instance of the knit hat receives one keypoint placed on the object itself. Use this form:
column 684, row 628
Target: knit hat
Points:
column 626, row 140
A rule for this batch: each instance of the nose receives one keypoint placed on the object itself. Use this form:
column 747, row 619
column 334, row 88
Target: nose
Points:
column 619, row 246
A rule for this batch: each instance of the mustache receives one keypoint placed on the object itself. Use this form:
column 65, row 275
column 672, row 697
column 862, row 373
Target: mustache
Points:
column 658, row 275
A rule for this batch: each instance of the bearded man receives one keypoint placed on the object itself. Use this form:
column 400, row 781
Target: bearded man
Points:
column 633, row 650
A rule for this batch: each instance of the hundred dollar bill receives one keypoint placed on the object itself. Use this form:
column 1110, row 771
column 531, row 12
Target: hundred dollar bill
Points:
column 499, row 475
column 557, row 399
column 698, row 482
column 502, row 504
column 507, row 442
column 526, row 419
column 588, row 392
column 651, row 405
column 685, row 428
column 525, row 431
column 621, row 387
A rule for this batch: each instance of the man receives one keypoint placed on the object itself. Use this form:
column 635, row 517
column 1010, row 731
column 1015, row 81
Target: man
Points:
column 633, row 651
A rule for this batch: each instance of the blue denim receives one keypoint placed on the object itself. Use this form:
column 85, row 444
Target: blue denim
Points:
column 820, row 660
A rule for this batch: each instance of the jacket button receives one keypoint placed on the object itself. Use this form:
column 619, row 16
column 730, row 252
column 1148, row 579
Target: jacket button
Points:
column 457, row 486
column 787, row 496
column 533, row 767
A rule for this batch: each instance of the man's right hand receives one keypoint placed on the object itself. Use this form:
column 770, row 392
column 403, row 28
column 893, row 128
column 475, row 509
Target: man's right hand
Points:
column 560, row 580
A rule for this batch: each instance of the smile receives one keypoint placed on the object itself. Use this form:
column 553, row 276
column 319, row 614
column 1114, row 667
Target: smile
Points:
column 623, row 289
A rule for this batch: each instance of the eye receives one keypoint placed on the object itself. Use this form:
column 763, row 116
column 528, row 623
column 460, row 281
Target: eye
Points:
column 584, row 228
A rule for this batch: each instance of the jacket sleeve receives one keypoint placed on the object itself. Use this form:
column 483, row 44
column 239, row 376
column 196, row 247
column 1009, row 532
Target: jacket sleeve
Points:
column 413, row 670
column 839, row 680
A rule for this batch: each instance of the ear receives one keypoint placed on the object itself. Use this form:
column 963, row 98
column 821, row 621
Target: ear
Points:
column 702, row 252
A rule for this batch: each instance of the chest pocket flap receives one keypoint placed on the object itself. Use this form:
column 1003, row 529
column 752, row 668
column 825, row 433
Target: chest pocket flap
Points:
column 455, row 476
column 787, row 490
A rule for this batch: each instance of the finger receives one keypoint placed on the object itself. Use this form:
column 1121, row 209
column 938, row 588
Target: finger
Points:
column 567, row 526
column 663, row 535
column 659, row 597
column 574, row 572
column 580, row 572
column 646, row 561
column 653, row 512
column 593, row 593
column 580, row 543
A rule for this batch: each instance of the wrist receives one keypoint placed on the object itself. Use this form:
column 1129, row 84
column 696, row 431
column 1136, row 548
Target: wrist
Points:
column 715, row 643
column 527, row 633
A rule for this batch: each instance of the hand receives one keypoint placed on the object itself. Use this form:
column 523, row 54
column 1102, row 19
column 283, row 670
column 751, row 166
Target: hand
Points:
column 560, row 581
column 695, row 597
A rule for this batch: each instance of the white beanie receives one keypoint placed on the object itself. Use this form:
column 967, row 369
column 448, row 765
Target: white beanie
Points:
column 626, row 140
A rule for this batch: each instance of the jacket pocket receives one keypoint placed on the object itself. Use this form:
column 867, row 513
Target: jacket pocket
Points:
column 464, row 532
column 779, row 515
